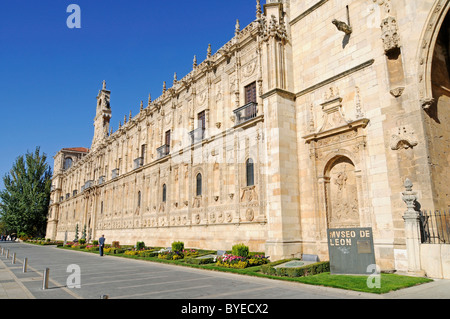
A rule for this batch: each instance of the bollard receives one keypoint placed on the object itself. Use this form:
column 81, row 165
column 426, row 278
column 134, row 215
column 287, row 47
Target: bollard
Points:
column 7, row 253
column 2, row 251
column 45, row 281
column 13, row 261
column 104, row 297
column 25, row 261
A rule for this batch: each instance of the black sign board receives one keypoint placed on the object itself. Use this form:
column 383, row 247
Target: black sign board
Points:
column 351, row 250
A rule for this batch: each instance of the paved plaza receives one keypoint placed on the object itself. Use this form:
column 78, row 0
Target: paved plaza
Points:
column 123, row 278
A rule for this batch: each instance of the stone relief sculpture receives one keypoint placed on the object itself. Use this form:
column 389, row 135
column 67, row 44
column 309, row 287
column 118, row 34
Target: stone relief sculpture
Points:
column 403, row 139
column 390, row 36
column 343, row 207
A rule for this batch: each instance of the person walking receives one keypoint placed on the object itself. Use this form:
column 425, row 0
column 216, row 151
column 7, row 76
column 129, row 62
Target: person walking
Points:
column 101, row 244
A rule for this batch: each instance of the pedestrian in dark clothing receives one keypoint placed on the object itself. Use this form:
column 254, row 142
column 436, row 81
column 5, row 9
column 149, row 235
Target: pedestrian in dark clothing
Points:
column 101, row 244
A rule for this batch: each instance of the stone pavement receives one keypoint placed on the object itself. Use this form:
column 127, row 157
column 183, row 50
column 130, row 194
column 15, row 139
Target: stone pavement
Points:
column 123, row 278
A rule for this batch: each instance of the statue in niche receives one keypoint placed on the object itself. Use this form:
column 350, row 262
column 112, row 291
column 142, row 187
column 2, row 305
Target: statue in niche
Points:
column 343, row 210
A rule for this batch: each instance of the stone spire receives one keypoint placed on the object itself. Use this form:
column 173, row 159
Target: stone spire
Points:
column 195, row 62
column 164, row 87
column 175, row 80
column 258, row 9
column 208, row 52
column 237, row 28
column 149, row 99
column 102, row 116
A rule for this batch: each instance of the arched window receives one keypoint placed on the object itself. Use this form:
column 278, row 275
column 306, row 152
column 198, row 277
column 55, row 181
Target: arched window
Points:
column 67, row 163
column 249, row 172
column 164, row 193
column 139, row 199
column 199, row 184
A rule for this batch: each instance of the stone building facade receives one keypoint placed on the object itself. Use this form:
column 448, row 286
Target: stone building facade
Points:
column 309, row 118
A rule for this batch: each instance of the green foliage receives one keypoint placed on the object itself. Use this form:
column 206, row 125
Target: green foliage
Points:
column 95, row 242
column 25, row 200
column 177, row 246
column 82, row 241
column 240, row 250
column 140, row 245
column 307, row 270
column 199, row 261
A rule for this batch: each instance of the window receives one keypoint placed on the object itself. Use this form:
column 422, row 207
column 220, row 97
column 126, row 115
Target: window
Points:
column 164, row 193
column 199, row 184
column 139, row 199
column 202, row 120
column 67, row 163
column 168, row 141
column 250, row 93
column 249, row 172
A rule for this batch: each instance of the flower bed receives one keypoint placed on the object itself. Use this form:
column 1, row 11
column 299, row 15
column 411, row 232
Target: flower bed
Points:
column 239, row 262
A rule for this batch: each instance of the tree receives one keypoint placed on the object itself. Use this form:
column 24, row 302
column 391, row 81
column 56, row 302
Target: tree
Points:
column 24, row 201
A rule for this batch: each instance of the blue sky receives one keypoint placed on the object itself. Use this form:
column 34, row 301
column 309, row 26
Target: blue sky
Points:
column 50, row 74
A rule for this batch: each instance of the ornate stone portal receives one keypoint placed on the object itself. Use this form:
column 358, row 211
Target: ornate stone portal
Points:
column 337, row 152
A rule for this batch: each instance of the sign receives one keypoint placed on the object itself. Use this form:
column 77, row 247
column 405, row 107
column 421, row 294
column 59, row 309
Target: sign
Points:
column 350, row 250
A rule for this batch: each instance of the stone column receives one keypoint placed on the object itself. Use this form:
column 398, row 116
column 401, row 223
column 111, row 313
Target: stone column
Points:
column 412, row 230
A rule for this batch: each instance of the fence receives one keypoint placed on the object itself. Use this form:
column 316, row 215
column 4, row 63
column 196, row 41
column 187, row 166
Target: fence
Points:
column 435, row 227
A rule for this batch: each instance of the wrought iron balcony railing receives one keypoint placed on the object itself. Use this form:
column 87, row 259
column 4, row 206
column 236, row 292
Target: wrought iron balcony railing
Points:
column 246, row 113
column 197, row 135
column 138, row 162
column 163, row 151
column 114, row 173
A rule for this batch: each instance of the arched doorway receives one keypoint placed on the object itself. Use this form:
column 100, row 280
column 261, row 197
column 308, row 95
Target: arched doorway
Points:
column 434, row 88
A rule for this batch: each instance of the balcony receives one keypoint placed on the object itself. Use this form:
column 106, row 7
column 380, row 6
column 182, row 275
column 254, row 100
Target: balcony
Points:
column 101, row 180
column 114, row 173
column 163, row 151
column 197, row 135
column 88, row 184
column 246, row 113
column 138, row 162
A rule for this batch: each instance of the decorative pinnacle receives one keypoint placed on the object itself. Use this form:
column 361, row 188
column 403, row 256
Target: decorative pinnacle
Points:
column 175, row 78
column 149, row 99
column 408, row 185
column 142, row 105
column 258, row 9
column 208, row 53
column 237, row 28
column 164, row 87
column 104, row 85
column 195, row 61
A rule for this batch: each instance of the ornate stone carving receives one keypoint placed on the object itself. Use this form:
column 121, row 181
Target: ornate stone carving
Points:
column 342, row 26
column 390, row 36
column 343, row 207
column 403, row 139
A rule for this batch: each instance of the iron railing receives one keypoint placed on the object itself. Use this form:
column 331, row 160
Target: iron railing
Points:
column 197, row 135
column 246, row 113
column 163, row 151
column 138, row 162
column 435, row 227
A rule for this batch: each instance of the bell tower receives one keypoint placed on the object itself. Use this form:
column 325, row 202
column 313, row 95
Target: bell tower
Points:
column 102, row 116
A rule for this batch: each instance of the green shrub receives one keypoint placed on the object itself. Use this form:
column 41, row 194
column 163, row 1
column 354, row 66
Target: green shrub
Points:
column 307, row 270
column 82, row 241
column 199, row 261
column 140, row 245
column 95, row 242
column 177, row 246
column 240, row 250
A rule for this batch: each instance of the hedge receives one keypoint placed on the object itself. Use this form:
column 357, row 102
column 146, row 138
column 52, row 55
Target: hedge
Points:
column 306, row 270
